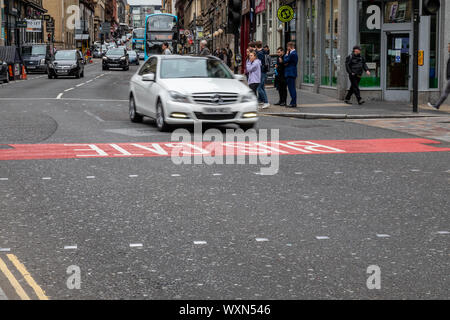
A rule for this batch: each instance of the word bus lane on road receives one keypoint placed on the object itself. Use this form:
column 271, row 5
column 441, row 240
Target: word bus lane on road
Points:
column 166, row 149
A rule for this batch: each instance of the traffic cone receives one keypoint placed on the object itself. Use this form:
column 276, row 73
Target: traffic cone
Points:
column 24, row 73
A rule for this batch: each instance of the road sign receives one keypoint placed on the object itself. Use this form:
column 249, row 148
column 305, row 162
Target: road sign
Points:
column 285, row 13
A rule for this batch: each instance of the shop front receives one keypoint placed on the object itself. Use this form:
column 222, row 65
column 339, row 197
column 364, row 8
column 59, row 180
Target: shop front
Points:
column 385, row 33
column 327, row 30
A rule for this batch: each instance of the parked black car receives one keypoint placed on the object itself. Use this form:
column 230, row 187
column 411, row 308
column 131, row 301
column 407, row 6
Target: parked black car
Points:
column 4, row 74
column 67, row 63
column 36, row 57
column 116, row 58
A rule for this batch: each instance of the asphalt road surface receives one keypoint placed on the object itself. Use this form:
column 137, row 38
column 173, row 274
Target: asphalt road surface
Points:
column 147, row 228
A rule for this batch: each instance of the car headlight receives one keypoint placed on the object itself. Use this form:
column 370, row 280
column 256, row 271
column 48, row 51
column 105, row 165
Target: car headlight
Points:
column 248, row 97
column 178, row 97
column 105, row 58
column 74, row 66
column 42, row 61
column 123, row 58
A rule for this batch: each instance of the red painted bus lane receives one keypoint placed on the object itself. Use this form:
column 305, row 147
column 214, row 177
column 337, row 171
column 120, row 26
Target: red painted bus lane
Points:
column 167, row 149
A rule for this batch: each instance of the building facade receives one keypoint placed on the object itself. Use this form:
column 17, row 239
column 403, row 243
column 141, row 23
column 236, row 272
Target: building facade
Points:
column 325, row 32
column 30, row 12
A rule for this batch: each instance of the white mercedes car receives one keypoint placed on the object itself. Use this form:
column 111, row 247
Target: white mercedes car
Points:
column 182, row 90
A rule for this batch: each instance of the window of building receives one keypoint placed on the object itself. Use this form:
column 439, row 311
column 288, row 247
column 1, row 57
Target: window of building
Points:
column 264, row 28
column 370, row 40
column 309, row 47
column 434, row 53
column 330, row 43
column 397, row 11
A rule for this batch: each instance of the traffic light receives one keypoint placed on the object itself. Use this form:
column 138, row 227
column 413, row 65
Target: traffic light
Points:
column 430, row 7
column 234, row 16
column 49, row 37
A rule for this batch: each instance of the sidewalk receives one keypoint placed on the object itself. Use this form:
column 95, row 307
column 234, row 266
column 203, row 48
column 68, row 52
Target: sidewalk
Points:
column 317, row 106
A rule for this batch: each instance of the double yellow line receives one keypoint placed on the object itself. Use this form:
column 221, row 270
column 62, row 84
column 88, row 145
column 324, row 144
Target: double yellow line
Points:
column 28, row 278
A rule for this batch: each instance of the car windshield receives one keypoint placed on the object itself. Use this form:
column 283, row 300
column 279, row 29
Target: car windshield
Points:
column 194, row 68
column 34, row 50
column 65, row 55
column 116, row 52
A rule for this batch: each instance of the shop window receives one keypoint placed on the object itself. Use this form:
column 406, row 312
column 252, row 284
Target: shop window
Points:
column 330, row 43
column 434, row 53
column 309, row 48
column 370, row 40
column 397, row 11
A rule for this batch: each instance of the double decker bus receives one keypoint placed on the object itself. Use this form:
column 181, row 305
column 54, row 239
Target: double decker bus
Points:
column 160, row 28
column 138, row 40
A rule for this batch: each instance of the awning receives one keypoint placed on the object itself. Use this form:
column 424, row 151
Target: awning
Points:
column 10, row 54
column 81, row 37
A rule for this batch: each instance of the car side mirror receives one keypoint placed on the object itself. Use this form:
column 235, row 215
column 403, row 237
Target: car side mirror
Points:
column 239, row 77
column 149, row 77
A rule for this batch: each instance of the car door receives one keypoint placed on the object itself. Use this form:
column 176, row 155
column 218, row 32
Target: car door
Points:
column 143, row 89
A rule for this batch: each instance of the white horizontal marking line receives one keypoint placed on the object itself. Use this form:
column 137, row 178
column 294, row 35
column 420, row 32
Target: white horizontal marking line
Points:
column 136, row 245
column 176, row 175
column 5, row 249
column 46, row 178
column 90, row 177
column 322, row 237
column 261, row 239
column 443, row 232
column 4, row 179
column 383, row 235
column 200, row 242
column 71, row 247
column 133, row 176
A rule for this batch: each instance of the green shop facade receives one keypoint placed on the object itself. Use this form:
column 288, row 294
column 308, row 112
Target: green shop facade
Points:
column 327, row 30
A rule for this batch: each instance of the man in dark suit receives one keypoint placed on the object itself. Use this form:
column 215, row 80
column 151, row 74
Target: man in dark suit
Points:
column 280, row 79
column 290, row 72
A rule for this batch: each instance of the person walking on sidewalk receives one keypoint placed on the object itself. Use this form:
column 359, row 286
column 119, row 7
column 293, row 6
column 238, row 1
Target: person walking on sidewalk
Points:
column 355, row 65
column 253, row 68
column 204, row 51
column 262, row 56
column 165, row 49
column 290, row 73
column 280, row 79
column 447, row 89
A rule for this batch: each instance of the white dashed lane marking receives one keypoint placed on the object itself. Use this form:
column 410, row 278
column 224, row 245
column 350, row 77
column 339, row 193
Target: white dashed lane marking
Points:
column 200, row 242
column 5, row 249
column 383, row 235
column 136, row 245
column 261, row 239
column 322, row 237
column 4, row 179
column 90, row 177
column 75, row 247
column 443, row 232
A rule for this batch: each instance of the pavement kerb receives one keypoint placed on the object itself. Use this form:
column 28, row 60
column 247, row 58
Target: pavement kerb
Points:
column 344, row 116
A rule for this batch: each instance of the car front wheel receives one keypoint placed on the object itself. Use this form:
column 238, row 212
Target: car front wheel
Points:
column 160, row 120
column 134, row 116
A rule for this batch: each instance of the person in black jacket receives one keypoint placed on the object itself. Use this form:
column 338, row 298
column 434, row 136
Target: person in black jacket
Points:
column 447, row 89
column 355, row 65
column 280, row 79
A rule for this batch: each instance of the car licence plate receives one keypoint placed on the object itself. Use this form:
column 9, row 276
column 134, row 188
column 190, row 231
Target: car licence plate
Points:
column 217, row 110
column 62, row 71
column 31, row 67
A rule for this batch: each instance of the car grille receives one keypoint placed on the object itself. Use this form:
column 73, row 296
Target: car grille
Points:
column 31, row 63
column 202, row 116
column 215, row 98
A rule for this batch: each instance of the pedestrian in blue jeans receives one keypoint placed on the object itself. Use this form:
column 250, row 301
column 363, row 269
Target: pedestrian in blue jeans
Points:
column 262, row 56
column 290, row 72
